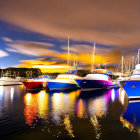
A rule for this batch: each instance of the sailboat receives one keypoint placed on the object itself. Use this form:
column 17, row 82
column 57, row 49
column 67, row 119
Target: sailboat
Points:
column 64, row 81
column 122, row 76
column 98, row 79
column 132, row 86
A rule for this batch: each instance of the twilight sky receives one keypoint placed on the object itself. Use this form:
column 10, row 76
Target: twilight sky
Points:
column 36, row 31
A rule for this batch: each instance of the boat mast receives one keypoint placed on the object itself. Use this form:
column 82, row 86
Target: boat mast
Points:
column 74, row 61
column 68, row 55
column 122, row 65
column 93, row 59
column 129, row 65
column 132, row 62
column 138, row 55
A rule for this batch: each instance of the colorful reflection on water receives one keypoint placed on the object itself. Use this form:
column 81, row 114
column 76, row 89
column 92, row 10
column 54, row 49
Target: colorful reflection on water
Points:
column 36, row 106
column 68, row 115
column 62, row 107
column 80, row 108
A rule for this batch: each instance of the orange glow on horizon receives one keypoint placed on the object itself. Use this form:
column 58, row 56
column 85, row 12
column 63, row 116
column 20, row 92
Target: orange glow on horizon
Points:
column 52, row 67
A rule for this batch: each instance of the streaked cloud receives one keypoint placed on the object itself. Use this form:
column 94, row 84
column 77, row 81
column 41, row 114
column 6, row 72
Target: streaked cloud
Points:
column 3, row 53
column 81, row 48
column 6, row 39
column 107, row 22
column 31, row 48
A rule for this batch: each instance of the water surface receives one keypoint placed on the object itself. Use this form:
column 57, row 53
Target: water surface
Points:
column 104, row 114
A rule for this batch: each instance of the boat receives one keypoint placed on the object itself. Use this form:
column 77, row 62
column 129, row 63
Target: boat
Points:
column 132, row 86
column 7, row 80
column 63, row 81
column 35, row 83
column 99, row 79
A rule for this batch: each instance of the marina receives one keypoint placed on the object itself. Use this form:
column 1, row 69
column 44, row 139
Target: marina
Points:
column 80, row 103
column 69, row 70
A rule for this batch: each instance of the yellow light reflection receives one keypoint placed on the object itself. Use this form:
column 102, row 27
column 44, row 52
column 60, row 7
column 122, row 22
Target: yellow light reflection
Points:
column 28, row 98
column 96, row 125
column 43, row 99
column 98, row 107
column 122, row 96
column 68, row 125
column 63, row 103
column 127, row 124
column 21, row 86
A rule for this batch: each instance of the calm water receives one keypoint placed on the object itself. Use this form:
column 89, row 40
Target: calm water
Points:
column 75, row 115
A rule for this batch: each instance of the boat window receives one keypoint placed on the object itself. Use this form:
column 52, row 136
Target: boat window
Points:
column 79, row 72
column 133, row 86
column 82, row 73
column 136, row 72
column 99, row 71
column 66, row 76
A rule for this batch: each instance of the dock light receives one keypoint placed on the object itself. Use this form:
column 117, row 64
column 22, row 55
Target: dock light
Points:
column 42, row 94
column 12, row 93
column 28, row 98
column 113, row 95
column 122, row 96
column 1, row 92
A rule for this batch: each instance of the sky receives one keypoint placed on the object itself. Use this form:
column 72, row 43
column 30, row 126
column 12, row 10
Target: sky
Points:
column 36, row 31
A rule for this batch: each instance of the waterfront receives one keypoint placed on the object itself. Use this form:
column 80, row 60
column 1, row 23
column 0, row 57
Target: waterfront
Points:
column 73, row 115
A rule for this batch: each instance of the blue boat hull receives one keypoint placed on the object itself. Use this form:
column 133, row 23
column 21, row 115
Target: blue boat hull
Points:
column 132, row 88
column 61, row 86
column 94, row 84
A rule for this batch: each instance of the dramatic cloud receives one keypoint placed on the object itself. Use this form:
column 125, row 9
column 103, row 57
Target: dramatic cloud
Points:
column 47, row 64
column 110, row 22
column 3, row 54
column 102, row 54
column 31, row 48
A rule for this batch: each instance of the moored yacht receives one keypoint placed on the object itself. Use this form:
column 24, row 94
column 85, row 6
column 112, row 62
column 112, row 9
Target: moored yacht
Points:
column 99, row 79
column 35, row 83
column 132, row 86
column 63, row 82
column 6, row 80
